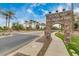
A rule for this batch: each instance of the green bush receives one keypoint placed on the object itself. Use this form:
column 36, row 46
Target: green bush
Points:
column 5, row 28
column 17, row 26
column 1, row 28
column 60, row 36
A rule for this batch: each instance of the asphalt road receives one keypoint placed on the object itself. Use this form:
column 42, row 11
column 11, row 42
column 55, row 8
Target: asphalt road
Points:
column 9, row 43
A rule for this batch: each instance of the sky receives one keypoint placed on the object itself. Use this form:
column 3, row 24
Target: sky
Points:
column 33, row 11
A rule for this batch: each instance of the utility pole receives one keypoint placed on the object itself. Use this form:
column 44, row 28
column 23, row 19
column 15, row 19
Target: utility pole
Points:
column 72, row 9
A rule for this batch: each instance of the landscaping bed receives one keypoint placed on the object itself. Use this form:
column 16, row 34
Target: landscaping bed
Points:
column 73, row 46
column 4, row 33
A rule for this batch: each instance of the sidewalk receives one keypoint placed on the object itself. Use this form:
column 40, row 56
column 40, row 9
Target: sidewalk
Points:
column 56, row 47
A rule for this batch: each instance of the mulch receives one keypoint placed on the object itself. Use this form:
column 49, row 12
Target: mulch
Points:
column 20, row 54
column 46, row 42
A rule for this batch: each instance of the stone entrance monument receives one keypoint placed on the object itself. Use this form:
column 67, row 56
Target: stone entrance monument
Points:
column 64, row 18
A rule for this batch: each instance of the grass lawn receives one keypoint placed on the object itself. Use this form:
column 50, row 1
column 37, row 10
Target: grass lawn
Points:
column 74, row 44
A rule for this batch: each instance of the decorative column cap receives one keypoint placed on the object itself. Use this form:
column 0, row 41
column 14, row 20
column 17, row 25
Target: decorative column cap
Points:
column 49, row 12
column 64, row 9
column 56, row 10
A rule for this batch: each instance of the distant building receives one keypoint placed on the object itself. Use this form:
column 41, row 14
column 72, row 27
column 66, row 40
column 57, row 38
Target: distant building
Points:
column 33, row 25
column 42, row 26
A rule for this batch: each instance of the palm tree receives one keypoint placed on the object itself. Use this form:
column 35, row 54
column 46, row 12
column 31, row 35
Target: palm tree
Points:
column 37, row 25
column 8, row 15
column 4, row 14
column 34, row 23
column 30, row 24
column 26, row 24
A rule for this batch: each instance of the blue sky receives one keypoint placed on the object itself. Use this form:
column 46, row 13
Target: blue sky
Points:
column 33, row 11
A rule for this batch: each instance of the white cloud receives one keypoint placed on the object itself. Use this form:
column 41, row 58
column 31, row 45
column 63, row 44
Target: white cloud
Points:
column 44, row 11
column 68, row 4
column 2, row 21
column 21, row 21
column 76, row 10
column 37, row 4
column 29, row 10
column 60, row 8
column 34, row 5
column 31, row 14
column 53, row 11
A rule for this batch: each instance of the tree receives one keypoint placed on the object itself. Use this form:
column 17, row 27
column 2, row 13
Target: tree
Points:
column 75, row 25
column 42, row 26
column 4, row 14
column 1, row 28
column 5, row 28
column 8, row 16
column 30, row 24
column 14, row 26
column 26, row 22
column 34, row 22
column 37, row 25
column 17, row 26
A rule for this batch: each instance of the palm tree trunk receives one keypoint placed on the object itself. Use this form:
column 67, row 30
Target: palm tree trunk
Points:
column 6, row 21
